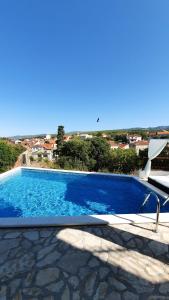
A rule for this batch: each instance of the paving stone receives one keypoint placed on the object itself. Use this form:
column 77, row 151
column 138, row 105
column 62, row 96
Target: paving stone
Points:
column 70, row 235
column 76, row 296
column 12, row 235
column 66, row 275
column 49, row 259
column 47, row 276
column 158, row 248
column 74, row 281
column 131, row 244
column 139, row 284
column 31, row 235
column 103, row 272
column 3, row 292
column 56, row 287
column 44, row 251
column 66, row 294
column 33, row 291
column 91, row 242
column 113, row 296
column 126, row 236
column 117, row 239
column 3, row 257
column 13, row 267
column 158, row 297
column 14, row 286
column 164, row 288
column 101, row 291
column 18, row 296
column 73, row 260
column 139, row 243
column 98, row 231
column 6, row 245
column 130, row 296
column 45, row 233
column 102, row 255
column 28, row 279
column 15, row 253
column 119, row 286
column 94, row 262
column 84, row 272
column 90, row 283
column 26, row 244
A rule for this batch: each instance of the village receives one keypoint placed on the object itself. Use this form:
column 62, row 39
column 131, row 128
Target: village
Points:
column 44, row 147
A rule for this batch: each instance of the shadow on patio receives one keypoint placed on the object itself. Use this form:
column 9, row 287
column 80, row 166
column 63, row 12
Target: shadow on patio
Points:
column 120, row 262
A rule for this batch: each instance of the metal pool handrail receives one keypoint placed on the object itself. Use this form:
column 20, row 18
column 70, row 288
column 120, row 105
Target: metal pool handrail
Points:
column 166, row 200
column 158, row 207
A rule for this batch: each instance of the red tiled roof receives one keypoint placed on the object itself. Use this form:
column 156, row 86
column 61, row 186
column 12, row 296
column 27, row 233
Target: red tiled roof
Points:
column 47, row 146
column 122, row 145
column 163, row 132
column 142, row 143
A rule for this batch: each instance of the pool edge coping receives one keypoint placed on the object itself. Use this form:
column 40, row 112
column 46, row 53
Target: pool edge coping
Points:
column 84, row 219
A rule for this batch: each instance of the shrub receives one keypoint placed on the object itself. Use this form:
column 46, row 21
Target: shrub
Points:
column 9, row 154
column 123, row 161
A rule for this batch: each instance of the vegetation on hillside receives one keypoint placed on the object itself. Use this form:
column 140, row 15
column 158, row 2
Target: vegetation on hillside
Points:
column 95, row 155
column 9, row 154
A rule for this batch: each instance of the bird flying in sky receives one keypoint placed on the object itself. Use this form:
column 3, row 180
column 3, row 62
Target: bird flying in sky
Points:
column 98, row 120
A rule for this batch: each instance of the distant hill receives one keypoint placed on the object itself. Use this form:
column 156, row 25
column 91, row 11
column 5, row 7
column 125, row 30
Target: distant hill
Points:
column 30, row 136
column 157, row 128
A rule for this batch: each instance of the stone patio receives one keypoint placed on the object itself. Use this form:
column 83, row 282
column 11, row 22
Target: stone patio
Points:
column 119, row 262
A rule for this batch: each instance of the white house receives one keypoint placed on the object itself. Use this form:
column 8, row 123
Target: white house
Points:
column 140, row 145
column 134, row 138
column 48, row 136
column 43, row 151
column 18, row 142
column 85, row 136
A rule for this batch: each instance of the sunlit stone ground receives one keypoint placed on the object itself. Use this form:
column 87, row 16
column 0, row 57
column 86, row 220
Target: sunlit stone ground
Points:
column 120, row 262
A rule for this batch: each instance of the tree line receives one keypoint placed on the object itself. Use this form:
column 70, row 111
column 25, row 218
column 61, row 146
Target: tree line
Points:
column 94, row 155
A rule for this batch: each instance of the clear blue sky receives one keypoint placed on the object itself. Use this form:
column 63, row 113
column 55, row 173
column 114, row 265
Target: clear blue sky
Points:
column 68, row 62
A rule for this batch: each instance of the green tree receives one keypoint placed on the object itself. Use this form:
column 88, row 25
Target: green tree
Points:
column 75, row 154
column 60, row 138
column 120, row 138
column 123, row 161
column 99, row 152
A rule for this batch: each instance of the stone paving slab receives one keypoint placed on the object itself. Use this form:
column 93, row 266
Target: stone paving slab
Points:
column 119, row 262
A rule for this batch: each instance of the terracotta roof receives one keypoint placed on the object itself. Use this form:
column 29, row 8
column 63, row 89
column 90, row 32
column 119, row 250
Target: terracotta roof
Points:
column 52, row 141
column 47, row 146
column 112, row 143
column 122, row 145
column 163, row 132
column 142, row 143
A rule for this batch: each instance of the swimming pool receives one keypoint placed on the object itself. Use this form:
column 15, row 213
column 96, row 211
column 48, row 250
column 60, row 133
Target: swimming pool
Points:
column 28, row 193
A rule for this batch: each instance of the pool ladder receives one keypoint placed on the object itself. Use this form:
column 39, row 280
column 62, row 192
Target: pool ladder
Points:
column 166, row 200
column 158, row 207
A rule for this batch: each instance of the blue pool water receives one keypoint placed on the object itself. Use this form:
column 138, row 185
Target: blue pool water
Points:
column 32, row 193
